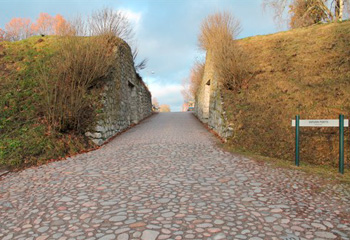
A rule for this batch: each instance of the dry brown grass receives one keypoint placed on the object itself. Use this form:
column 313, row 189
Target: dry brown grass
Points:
column 303, row 71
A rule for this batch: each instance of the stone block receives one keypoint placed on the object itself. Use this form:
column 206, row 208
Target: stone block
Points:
column 98, row 142
column 100, row 128
column 96, row 135
column 88, row 134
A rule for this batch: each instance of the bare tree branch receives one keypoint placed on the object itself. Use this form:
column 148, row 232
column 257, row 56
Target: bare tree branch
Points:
column 110, row 22
column 142, row 64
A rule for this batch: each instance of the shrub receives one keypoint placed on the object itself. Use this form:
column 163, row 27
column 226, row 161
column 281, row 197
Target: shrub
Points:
column 216, row 28
column 76, row 68
column 217, row 37
column 231, row 65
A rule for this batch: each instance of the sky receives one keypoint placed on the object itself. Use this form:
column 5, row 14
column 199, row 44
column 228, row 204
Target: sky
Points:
column 165, row 31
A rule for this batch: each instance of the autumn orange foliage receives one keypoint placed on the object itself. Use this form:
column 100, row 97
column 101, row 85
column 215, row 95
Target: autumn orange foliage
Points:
column 22, row 28
column 49, row 25
column 2, row 35
column 18, row 28
column 44, row 24
column 61, row 26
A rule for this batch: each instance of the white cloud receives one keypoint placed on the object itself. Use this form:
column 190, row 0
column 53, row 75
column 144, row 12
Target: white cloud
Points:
column 166, row 33
column 166, row 92
column 160, row 91
column 133, row 17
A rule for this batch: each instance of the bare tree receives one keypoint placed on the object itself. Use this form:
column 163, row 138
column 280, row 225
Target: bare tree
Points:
column 186, row 91
column 305, row 13
column 325, row 10
column 18, row 29
column 339, row 9
column 196, row 76
column 140, row 65
column 110, row 22
column 218, row 33
column 79, row 27
column 216, row 27
column 115, row 23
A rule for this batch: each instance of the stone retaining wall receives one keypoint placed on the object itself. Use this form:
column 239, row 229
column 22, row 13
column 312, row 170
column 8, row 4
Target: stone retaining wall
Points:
column 209, row 103
column 126, row 99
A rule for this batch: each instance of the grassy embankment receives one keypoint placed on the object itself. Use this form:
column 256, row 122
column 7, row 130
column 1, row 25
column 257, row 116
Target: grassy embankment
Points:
column 304, row 71
column 26, row 137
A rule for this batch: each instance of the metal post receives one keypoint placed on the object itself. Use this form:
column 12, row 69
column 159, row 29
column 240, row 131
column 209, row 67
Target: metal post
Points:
column 341, row 144
column 297, row 119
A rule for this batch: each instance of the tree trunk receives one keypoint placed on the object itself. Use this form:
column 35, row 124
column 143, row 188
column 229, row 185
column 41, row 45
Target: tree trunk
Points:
column 339, row 8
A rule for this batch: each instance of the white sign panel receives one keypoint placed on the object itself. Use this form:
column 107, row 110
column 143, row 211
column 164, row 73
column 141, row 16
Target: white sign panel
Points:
column 320, row 123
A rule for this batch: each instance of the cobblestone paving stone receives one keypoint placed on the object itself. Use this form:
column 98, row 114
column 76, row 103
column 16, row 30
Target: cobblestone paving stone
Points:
column 167, row 179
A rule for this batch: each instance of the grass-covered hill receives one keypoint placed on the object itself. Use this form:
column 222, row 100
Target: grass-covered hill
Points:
column 29, row 135
column 304, row 71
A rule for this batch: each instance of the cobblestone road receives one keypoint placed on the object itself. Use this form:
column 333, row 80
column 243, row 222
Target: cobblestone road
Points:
column 167, row 179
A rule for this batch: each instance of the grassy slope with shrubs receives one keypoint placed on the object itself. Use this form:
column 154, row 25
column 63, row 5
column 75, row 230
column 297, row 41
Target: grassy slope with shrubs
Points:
column 304, row 71
column 26, row 137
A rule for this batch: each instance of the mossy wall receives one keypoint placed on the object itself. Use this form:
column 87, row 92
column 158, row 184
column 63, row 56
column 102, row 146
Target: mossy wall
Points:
column 126, row 99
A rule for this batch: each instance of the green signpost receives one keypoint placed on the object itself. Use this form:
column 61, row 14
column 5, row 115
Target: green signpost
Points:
column 341, row 144
column 297, row 120
column 341, row 123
